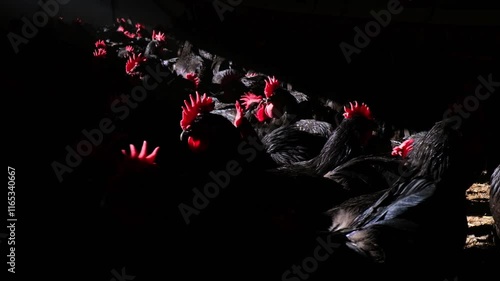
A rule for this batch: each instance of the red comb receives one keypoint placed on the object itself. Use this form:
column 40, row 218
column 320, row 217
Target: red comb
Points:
column 140, row 26
column 403, row 149
column 251, row 74
column 142, row 155
column 193, row 77
column 129, row 34
column 158, row 36
column 133, row 62
column 100, row 53
column 249, row 99
column 129, row 49
column 362, row 109
column 120, row 29
column 100, row 44
column 238, row 118
column 260, row 114
column 198, row 105
column 271, row 85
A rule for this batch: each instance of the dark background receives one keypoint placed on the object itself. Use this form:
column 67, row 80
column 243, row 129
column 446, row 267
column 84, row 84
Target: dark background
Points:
column 430, row 51
column 428, row 58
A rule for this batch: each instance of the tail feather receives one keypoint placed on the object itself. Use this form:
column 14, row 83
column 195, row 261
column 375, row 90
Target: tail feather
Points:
column 397, row 202
column 391, row 218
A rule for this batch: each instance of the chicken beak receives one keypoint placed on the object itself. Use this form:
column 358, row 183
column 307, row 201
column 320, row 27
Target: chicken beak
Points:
column 184, row 135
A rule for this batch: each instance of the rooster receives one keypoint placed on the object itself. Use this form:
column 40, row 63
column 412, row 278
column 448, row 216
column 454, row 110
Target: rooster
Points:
column 254, row 81
column 141, row 198
column 189, row 62
column 347, row 141
column 156, row 47
column 403, row 148
column 261, row 206
column 135, row 171
column 277, row 120
column 269, row 111
column 204, row 131
column 296, row 142
column 391, row 235
column 213, row 140
column 288, row 144
column 366, row 178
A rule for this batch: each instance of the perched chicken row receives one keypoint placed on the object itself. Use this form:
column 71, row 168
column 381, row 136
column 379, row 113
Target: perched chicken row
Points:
column 263, row 178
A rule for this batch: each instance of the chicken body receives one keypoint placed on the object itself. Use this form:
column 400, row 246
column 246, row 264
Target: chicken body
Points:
column 345, row 143
column 393, row 234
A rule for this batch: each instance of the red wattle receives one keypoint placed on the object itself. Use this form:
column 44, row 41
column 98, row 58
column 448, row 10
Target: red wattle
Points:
column 197, row 145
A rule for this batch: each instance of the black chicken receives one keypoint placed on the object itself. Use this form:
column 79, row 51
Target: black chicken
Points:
column 276, row 107
column 189, row 62
column 213, row 141
column 135, row 170
column 227, row 85
column 347, row 141
column 289, row 144
column 255, row 210
column 204, row 131
column 400, row 231
column 368, row 173
column 156, row 49
column 366, row 178
column 299, row 141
